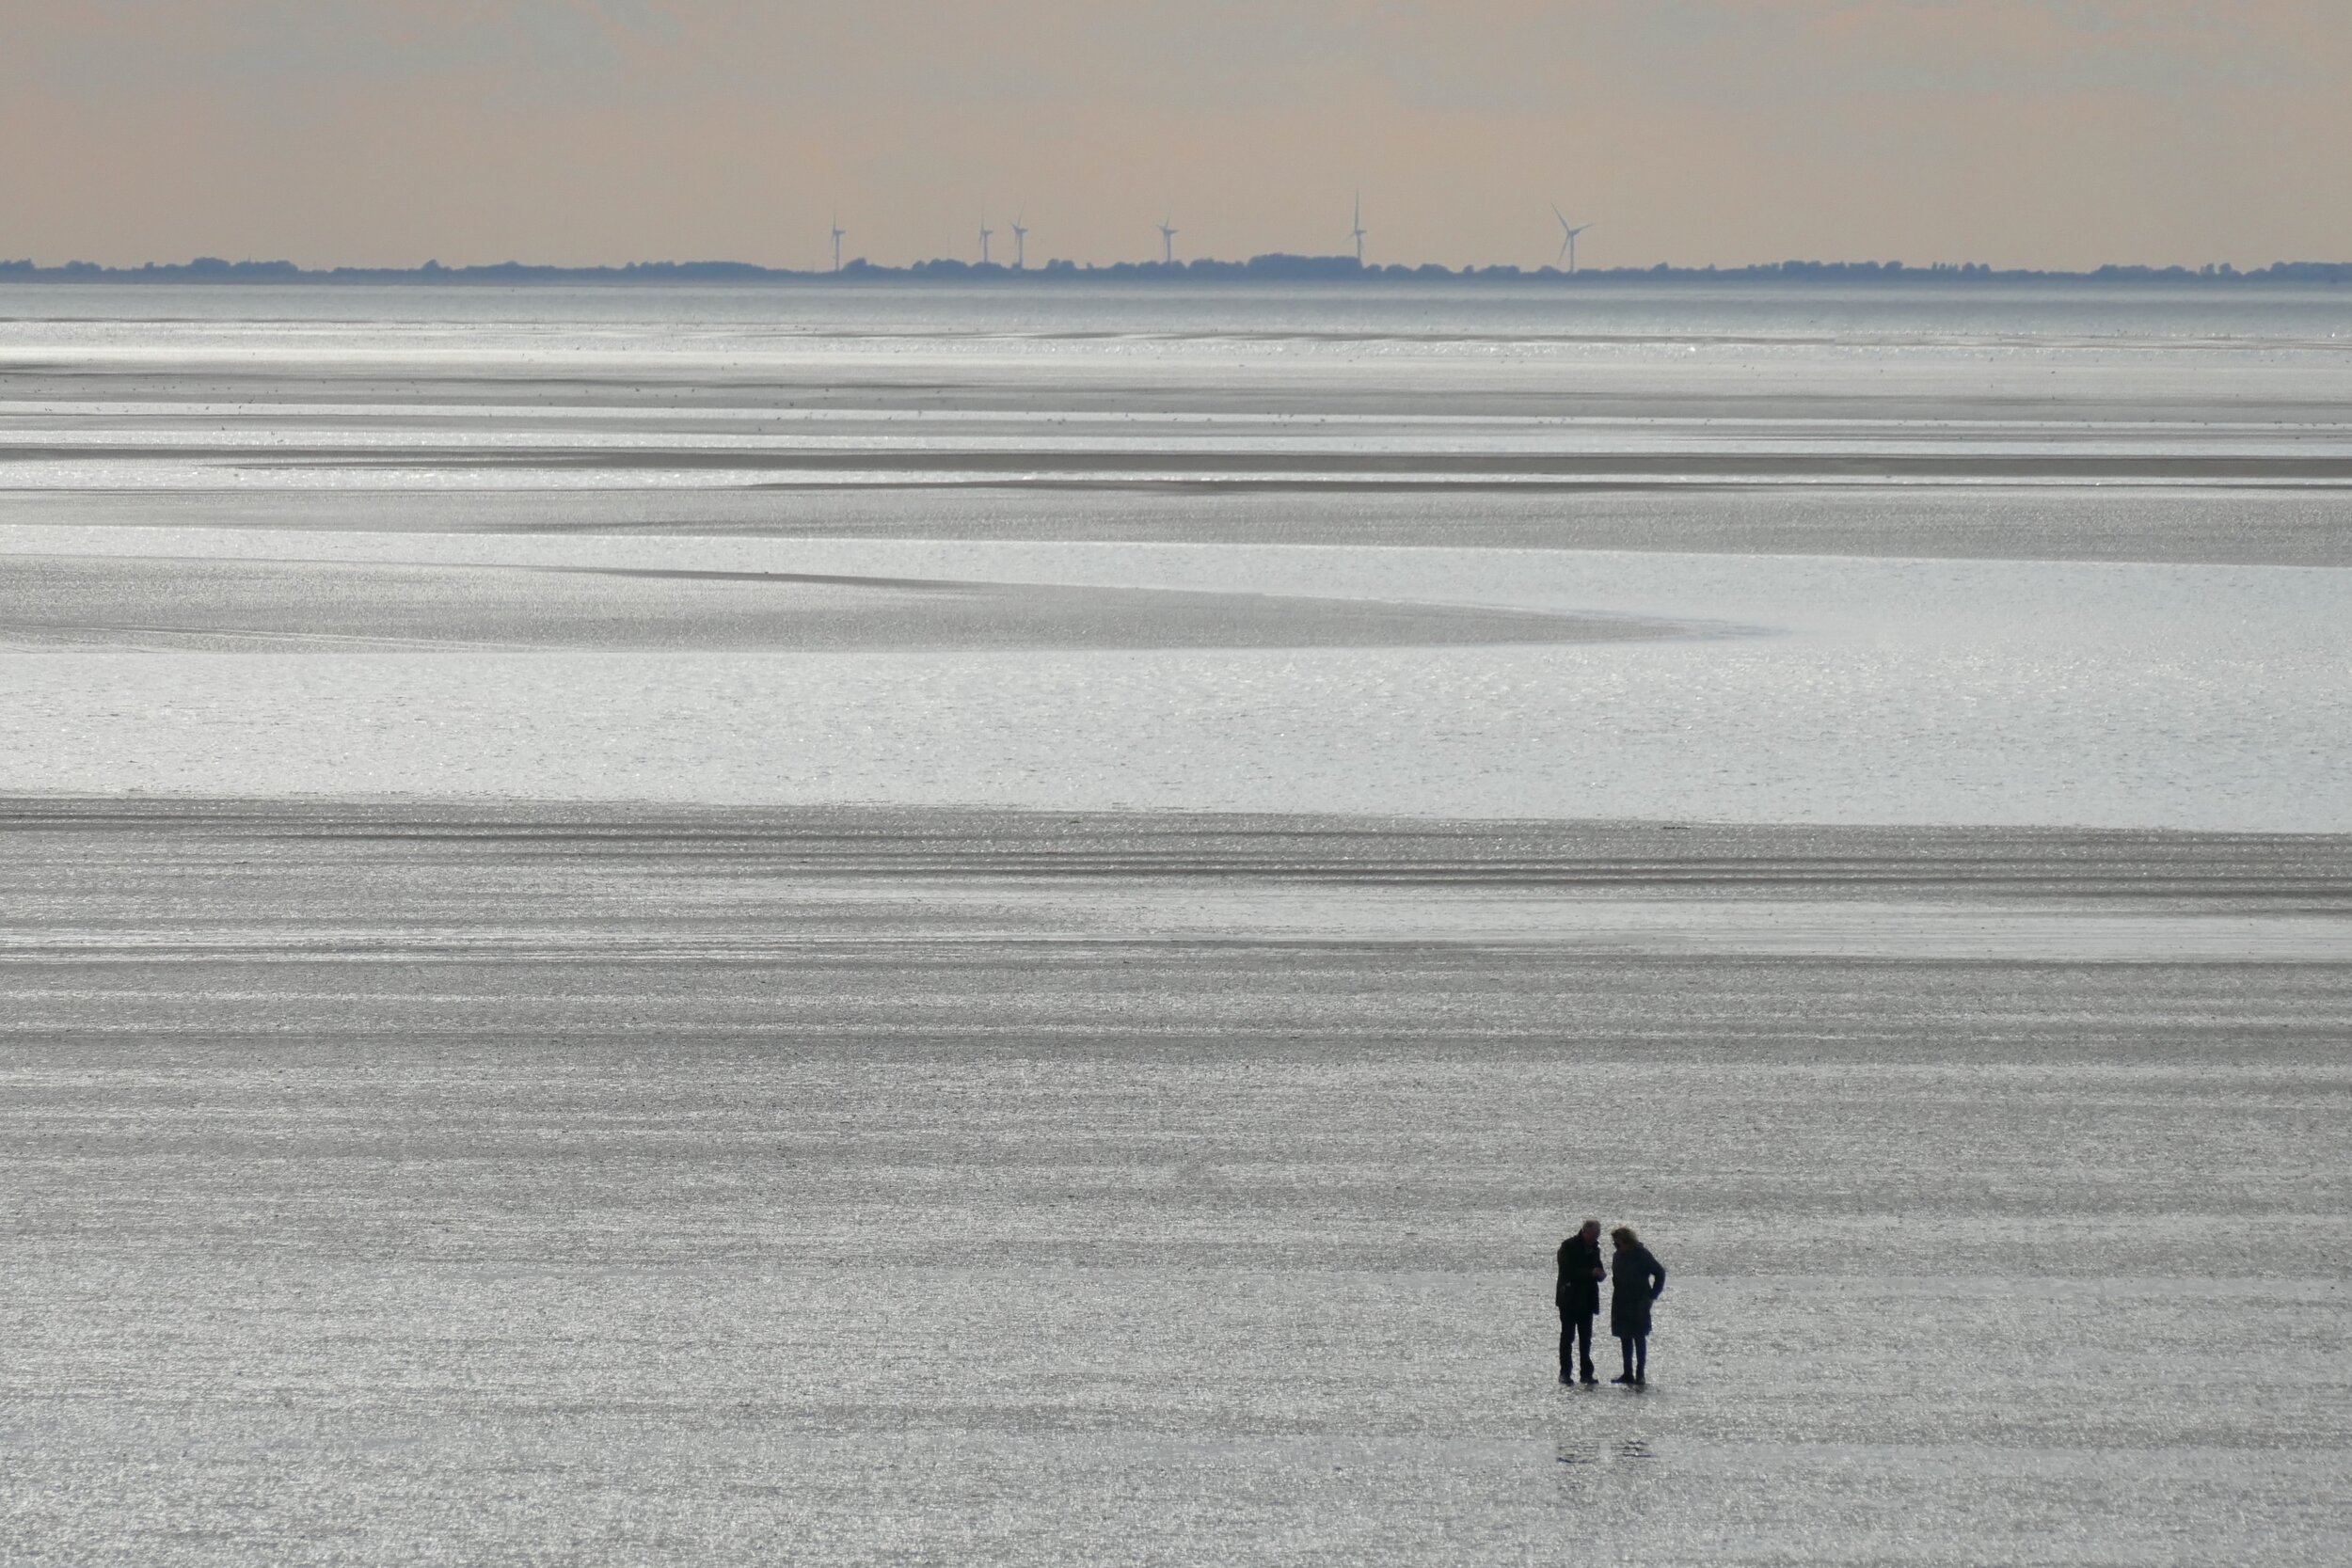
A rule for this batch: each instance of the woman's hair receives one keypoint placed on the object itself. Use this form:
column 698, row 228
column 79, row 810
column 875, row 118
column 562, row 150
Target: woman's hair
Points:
column 1624, row 1236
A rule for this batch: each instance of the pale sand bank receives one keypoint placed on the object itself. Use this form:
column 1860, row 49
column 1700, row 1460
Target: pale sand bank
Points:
column 2121, row 522
column 230, row 605
column 1432, row 681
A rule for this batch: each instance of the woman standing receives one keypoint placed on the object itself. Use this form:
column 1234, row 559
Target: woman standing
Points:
column 1640, row 1280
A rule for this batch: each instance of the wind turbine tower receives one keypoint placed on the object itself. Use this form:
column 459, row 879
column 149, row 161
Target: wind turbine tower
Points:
column 985, row 232
column 1568, row 238
column 1020, row 245
column 1359, row 230
column 1167, row 244
column 837, row 232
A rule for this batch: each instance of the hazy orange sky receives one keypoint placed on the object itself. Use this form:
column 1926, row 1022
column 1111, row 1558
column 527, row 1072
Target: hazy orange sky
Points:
column 2037, row 133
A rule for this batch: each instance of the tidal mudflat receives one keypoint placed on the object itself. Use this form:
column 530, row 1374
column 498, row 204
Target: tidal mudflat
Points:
column 751, row 925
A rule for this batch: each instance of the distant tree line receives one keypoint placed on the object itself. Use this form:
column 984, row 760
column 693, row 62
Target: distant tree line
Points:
column 1275, row 267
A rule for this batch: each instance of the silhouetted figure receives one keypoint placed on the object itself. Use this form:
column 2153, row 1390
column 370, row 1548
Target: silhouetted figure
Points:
column 1640, row 1280
column 1578, row 1295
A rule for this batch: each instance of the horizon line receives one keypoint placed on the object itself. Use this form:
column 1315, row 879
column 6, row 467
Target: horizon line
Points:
column 1275, row 266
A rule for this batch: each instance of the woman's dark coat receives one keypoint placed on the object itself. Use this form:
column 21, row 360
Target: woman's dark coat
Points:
column 1639, row 1278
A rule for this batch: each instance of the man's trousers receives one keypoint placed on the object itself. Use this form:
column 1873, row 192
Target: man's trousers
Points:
column 1576, row 1343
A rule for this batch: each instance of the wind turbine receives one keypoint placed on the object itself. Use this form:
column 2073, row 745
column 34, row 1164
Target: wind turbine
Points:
column 1359, row 230
column 985, row 232
column 1167, row 244
column 1020, row 245
column 837, row 232
column 1568, row 238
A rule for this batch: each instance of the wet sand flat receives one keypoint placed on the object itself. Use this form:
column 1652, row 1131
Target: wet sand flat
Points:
column 437, row 1183
column 978, row 926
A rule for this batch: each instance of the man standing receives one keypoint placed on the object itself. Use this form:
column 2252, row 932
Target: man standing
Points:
column 1578, row 1296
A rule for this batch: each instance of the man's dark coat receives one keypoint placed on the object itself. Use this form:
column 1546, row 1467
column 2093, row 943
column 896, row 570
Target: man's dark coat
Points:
column 1578, row 1291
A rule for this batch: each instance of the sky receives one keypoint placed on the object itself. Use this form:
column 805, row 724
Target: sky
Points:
column 2019, row 133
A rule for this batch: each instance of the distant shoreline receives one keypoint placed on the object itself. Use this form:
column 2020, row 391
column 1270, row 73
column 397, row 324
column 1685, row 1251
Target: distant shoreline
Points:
column 1258, row 269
